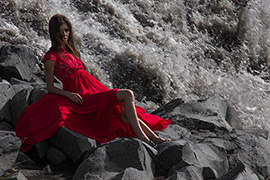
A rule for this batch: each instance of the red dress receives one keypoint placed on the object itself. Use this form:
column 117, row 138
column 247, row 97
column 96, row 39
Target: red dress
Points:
column 98, row 118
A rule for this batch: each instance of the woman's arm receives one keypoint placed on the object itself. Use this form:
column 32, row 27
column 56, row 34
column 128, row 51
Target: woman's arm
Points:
column 49, row 75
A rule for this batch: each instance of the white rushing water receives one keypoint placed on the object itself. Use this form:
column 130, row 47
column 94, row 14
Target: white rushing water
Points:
column 162, row 50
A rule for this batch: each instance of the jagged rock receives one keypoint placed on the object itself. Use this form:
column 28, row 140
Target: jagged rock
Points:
column 169, row 154
column 9, row 147
column 187, row 173
column 209, row 173
column 19, row 103
column 206, row 155
column 12, row 109
column 239, row 172
column 75, row 146
column 17, row 61
column 37, row 93
column 258, row 132
column 183, row 153
column 229, row 146
column 232, row 116
column 113, row 158
column 23, row 161
column 254, row 152
column 6, row 126
column 205, row 114
column 56, row 157
column 40, row 149
column 6, row 94
column 164, row 109
column 192, row 172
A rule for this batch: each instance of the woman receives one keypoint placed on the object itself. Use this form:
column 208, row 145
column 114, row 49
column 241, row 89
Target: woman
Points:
column 84, row 105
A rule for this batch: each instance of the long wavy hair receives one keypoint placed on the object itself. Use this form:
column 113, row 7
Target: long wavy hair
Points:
column 54, row 29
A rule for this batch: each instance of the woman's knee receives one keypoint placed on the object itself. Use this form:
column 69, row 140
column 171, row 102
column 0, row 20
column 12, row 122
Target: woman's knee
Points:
column 125, row 94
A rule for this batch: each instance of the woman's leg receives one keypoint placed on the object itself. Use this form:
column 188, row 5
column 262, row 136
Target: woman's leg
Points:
column 129, row 116
column 126, row 96
column 156, row 139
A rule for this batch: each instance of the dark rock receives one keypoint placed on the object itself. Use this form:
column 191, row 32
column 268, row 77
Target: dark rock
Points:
column 111, row 159
column 75, row 146
column 6, row 126
column 229, row 146
column 19, row 103
column 163, row 110
column 209, row 173
column 40, row 149
column 56, row 157
column 169, row 154
column 187, row 173
column 17, row 61
column 6, row 94
column 206, row 155
column 9, row 148
column 254, row 152
column 239, row 172
column 25, row 162
column 37, row 93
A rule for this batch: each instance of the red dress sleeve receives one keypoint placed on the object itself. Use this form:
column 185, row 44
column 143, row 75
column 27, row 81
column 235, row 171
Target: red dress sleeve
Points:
column 49, row 56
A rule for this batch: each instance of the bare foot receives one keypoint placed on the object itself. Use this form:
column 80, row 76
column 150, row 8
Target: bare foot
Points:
column 160, row 140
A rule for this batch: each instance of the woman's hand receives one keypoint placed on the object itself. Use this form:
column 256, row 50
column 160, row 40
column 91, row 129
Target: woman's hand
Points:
column 75, row 97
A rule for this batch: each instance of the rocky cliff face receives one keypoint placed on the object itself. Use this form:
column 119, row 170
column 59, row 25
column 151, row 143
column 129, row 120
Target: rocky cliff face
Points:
column 208, row 139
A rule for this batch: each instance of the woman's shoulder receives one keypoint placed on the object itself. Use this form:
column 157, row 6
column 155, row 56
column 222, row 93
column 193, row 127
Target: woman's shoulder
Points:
column 50, row 55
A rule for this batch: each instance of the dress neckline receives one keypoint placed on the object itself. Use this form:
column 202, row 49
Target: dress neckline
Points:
column 60, row 49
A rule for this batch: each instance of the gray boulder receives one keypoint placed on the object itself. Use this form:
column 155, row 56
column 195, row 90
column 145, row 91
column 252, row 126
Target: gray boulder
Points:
column 17, row 61
column 56, row 157
column 239, row 172
column 187, row 173
column 9, row 148
column 13, row 100
column 112, row 159
column 38, row 91
column 254, row 152
column 40, row 149
column 208, row 114
column 75, row 146
column 183, row 153
column 206, row 155
column 169, row 154
column 6, row 94
column 19, row 103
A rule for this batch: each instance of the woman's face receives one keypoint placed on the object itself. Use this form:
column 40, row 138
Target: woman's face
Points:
column 64, row 31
